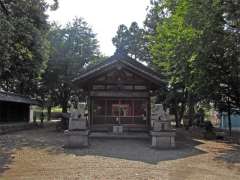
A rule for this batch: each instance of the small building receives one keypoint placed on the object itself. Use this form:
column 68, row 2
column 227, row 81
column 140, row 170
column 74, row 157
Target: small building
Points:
column 118, row 91
column 15, row 108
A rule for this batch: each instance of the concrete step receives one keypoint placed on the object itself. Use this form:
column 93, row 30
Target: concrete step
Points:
column 125, row 135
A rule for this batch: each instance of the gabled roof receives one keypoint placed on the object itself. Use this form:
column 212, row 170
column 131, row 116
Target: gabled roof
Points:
column 142, row 70
column 12, row 97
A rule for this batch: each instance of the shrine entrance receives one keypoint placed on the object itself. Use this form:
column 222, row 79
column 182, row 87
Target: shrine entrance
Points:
column 125, row 111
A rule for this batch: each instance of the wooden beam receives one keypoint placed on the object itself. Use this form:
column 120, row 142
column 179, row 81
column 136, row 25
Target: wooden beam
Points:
column 118, row 94
column 109, row 82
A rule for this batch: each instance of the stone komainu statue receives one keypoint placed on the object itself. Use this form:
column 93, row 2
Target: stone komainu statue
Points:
column 77, row 120
column 163, row 136
column 160, row 118
column 77, row 133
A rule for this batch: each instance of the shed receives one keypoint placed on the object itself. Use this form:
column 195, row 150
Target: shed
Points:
column 14, row 107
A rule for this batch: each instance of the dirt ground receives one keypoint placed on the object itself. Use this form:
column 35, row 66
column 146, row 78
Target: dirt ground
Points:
column 39, row 155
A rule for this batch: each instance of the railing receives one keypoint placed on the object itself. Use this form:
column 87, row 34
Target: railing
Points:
column 119, row 119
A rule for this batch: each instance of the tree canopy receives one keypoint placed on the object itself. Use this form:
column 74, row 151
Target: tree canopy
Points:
column 199, row 52
column 132, row 41
column 72, row 48
column 23, row 44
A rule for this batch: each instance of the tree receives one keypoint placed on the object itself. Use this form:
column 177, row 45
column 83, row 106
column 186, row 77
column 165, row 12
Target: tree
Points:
column 155, row 15
column 132, row 41
column 23, row 44
column 121, row 40
column 199, row 50
column 72, row 48
column 172, row 47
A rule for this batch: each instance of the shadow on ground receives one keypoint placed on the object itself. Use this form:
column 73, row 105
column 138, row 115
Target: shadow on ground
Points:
column 125, row 149
column 230, row 155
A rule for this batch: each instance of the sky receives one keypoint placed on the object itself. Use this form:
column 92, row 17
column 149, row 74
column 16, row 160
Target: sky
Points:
column 103, row 16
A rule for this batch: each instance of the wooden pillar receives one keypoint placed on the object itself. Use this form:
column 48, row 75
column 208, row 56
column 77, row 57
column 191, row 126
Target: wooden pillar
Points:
column 133, row 109
column 105, row 111
column 28, row 112
column 149, row 113
column 89, row 103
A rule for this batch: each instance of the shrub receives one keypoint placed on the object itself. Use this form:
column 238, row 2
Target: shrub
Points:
column 209, row 130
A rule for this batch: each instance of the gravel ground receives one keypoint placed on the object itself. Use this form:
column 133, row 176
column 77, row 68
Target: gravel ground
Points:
column 38, row 155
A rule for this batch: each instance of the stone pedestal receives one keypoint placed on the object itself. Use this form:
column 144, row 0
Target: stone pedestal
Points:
column 76, row 138
column 77, row 124
column 163, row 139
column 161, row 125
column 163, row 136
column 77, row 133
column 117, row 129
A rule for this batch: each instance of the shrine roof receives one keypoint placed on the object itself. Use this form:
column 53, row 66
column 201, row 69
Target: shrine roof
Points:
column 119, row 58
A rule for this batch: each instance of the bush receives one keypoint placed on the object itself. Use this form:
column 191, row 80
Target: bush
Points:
column 208, row 126
column 209, row 130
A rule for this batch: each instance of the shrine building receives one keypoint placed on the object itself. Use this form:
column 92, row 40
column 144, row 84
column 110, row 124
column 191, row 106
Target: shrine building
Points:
column 118, row 91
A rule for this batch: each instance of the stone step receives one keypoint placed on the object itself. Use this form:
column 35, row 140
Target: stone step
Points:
column 125, row 135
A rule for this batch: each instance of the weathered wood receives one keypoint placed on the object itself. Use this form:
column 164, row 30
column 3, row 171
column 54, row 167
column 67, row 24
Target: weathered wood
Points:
column 118, row 94
column 127, row 82
column 122, row 67
column 149, row 113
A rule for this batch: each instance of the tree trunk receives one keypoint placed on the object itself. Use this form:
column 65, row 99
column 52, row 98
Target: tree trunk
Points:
column 229, row 119
column 176, row 119
column 181, row 111
column 64, row 108
column 178, row 122
column 42, row 117
column 191, row 110
column 49, row 110
column 176, row 115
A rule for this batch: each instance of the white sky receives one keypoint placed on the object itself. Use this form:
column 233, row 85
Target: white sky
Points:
column 104, row 16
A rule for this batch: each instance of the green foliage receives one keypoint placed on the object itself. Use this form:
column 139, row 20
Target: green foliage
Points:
column 72, row 48
column 133, row 42
column 199, row 52
column 23, row 44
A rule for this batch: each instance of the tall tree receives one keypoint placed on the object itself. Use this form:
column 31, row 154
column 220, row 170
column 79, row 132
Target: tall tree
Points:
column 132, row 41
column 199, row 51
column 72, row 48
column 121, row 40
column 172, row 48
column 23, row 44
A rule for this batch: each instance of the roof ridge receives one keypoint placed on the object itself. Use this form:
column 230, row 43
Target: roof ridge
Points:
column 124, row 59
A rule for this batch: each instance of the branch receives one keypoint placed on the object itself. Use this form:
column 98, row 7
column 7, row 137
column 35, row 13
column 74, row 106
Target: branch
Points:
column 5, row 11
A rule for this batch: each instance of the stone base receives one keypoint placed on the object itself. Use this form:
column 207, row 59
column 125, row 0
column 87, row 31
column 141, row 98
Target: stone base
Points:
column 76, row 139
column 163, row 139
column 161, row 125
column 77, row 125
column 118, row 129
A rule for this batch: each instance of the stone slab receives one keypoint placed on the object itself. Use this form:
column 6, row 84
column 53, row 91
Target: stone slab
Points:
column 163, row 140
column 77, row 124
column 77, row 139
column 161, row 125
column 163, row 133
column 118, row 129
